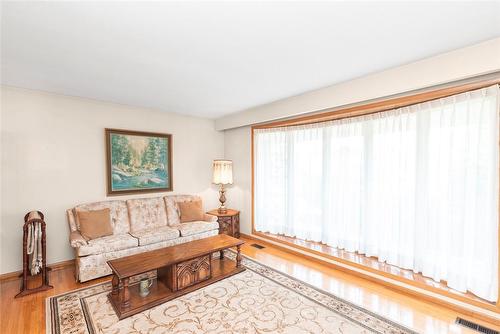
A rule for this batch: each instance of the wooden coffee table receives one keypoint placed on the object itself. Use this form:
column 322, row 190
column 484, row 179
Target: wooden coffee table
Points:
column 181, row 269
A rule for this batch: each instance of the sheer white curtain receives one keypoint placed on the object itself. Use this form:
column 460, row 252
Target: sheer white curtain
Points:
column 416, row 187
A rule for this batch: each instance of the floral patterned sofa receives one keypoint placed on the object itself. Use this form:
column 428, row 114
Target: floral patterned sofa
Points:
column 139, row 225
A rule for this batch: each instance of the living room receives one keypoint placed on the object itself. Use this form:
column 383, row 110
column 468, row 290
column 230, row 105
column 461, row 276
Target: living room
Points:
column 250, row 167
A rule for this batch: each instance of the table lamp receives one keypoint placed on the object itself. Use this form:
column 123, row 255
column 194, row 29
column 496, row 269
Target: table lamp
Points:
column 223, row 174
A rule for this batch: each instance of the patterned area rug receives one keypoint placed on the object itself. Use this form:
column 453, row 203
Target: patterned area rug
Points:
column 258, row 300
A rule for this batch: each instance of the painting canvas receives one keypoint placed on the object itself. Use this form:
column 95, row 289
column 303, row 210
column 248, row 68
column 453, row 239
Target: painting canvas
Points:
column 138, row 161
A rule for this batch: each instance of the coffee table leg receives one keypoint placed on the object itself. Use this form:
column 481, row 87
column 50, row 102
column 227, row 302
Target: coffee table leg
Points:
column 125, row 294
column 221, row 255
column 238, row 256
column 115, row 283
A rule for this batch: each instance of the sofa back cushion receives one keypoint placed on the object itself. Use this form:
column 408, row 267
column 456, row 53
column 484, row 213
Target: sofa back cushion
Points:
column 117, row 211
column 173, row 212
column 146, row 213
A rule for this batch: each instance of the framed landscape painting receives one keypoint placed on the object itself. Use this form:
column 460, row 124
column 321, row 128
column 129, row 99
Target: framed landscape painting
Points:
column 138, row 161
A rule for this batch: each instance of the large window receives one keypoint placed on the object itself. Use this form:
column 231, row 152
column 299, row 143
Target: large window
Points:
column 416, row 187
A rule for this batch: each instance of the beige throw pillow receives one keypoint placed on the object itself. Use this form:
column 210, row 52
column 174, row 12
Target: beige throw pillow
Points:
column 190, row 211
column 95, row 224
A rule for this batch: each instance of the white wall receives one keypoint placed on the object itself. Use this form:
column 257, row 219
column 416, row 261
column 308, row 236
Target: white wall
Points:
column 53, row 157
column 480, row 59
column 239, row 196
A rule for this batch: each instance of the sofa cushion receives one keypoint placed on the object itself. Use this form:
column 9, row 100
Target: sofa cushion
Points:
column 155, row 235
column 95, row 224
column 146, row 213
column 191, row 211
column 108, row 244
column 117, row 210
column 196, row 227
column 173, row 212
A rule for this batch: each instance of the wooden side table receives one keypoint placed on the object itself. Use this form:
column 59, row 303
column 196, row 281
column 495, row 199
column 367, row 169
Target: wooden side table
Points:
column 229, row 222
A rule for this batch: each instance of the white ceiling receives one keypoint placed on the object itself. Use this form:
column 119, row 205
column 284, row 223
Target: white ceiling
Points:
column 210, row 59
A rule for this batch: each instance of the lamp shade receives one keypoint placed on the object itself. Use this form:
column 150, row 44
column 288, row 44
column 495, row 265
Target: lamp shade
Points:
column 223, row 172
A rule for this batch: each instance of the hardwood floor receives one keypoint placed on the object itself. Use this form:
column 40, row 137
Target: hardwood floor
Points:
column 372, row 262
column 27, row 314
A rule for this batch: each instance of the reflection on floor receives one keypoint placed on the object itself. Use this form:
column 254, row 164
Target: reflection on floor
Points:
column 373, row 263
column 422, row 316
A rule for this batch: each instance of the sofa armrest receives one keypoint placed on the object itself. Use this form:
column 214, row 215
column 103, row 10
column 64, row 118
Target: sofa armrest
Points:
column 76, row 239
column 210, row 218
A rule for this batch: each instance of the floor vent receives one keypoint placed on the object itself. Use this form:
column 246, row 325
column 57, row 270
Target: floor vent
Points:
column 257, row 246
column 472, row 325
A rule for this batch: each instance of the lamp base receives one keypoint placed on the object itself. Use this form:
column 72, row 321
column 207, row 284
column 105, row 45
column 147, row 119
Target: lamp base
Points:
column 222, row 199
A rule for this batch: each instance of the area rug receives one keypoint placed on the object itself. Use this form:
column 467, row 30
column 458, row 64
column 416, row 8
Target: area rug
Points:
column 258, row 300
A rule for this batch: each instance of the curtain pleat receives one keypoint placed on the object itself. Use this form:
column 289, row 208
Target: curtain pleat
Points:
column 416, row 187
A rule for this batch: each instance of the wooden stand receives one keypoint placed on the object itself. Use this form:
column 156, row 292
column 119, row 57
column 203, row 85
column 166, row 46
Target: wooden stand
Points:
column 229, row 222
column 29, row 219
